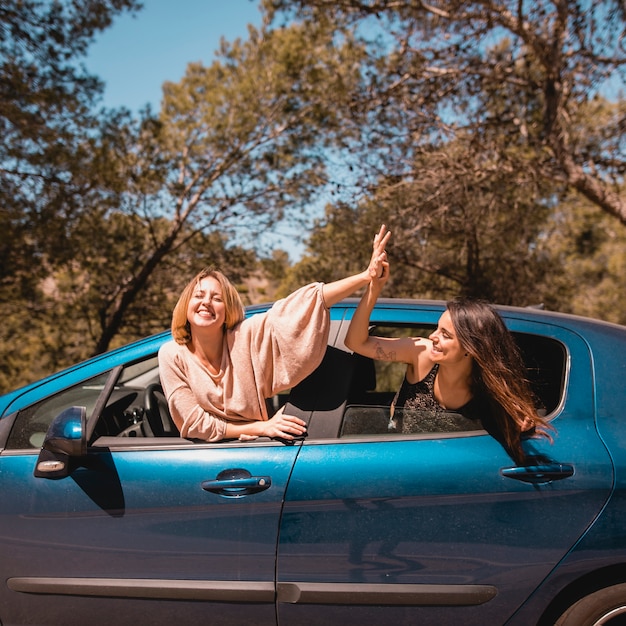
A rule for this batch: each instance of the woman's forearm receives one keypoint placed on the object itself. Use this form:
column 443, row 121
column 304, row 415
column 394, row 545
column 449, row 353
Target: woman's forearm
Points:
column 252, row 429
column 338, row 290
column 358, row 331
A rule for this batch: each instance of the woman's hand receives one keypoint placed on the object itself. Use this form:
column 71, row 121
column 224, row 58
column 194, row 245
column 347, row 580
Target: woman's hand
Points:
column 377, row 283
column 379, row 266
column 283, row 426
column 344, row 287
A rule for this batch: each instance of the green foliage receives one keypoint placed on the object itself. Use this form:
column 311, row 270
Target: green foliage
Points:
column 474, row 131
column 236, row 147
column 46, row 122
column 478, row 123
column 457, row 234
column 64, row 317
column 524, row 68
column 590, row 251
column 246, row 136
column 45, row 110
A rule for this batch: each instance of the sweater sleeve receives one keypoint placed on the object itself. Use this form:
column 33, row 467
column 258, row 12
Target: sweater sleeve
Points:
column 177, row 378
column 290, row 340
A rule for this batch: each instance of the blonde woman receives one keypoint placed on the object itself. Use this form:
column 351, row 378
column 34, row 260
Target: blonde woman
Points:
column 220, row 367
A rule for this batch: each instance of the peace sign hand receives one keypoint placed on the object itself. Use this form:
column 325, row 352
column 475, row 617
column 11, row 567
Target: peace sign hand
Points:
column 379, row 266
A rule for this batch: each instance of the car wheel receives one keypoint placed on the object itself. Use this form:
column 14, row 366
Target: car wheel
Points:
column 602, row 608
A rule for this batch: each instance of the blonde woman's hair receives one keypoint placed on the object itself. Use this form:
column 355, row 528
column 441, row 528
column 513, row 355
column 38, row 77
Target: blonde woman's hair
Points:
column 181, row 330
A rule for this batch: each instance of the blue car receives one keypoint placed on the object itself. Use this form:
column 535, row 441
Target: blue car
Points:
column 108, row 516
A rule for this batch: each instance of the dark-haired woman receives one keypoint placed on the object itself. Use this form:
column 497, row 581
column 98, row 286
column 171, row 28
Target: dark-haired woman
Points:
column 468, row 374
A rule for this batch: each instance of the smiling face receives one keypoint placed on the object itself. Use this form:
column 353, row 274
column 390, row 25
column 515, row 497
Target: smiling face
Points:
column 445, row 344
column 206, row 309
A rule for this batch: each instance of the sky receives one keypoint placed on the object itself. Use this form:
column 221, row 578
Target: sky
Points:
column 136, row 55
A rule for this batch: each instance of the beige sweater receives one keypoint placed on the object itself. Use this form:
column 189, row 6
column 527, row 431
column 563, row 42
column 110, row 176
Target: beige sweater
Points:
column 263, row 355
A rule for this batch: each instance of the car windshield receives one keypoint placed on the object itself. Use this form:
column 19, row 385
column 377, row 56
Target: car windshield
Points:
column 33, row 423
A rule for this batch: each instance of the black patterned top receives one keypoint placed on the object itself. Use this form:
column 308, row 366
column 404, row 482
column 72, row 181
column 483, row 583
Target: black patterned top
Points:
column 416, row 410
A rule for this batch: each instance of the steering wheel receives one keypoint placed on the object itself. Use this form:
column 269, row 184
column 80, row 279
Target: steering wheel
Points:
column 157, row 420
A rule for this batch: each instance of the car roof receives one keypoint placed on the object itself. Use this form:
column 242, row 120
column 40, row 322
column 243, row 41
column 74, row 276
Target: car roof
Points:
column 531, row 313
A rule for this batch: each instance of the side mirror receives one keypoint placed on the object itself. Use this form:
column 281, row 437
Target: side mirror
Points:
column 66, row 438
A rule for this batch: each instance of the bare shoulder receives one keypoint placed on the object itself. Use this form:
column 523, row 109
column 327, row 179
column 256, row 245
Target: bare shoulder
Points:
column 423, row 363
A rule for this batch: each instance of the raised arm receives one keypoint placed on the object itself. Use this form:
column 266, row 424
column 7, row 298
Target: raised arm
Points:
column 358, row 339
column 340, row 289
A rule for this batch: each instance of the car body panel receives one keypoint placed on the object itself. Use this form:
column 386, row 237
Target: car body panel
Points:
column 120, row 521
column 599, row 558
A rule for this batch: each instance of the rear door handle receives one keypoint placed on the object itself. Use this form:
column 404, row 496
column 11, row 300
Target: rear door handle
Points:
column 235, row 483
column 539, row 474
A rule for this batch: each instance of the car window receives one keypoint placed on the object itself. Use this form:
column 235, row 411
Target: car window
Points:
column 123, row 413
column 375, row 384
column 32, row 423
column 136, row 404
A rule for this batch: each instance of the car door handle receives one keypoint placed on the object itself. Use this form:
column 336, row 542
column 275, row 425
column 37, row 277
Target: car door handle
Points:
column 539, row 474
column 235, row 483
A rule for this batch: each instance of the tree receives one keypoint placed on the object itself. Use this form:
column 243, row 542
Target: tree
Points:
column 470, row 227
column 46, row 101
column 592, row 252
column 434, row 66
column 90, row 286
column 237, row 146
column 46, row 119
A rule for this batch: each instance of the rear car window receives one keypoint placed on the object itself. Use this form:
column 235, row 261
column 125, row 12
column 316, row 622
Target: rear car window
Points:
column 375, row 383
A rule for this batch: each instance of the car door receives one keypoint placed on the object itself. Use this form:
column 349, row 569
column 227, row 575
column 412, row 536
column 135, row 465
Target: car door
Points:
column 143, row 531
column 439, row 529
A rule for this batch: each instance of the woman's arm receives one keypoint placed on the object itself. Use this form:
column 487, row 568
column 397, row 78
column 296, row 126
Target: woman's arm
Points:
column 280, row 425
column 194, row 422
column 340, row 289
column 358, row 339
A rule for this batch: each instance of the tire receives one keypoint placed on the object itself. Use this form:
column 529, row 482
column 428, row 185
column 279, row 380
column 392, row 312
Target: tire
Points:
column 605, row 607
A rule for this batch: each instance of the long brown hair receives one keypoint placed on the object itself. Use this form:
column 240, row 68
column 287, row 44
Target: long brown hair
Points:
column 499, row 375
column 181, row 331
